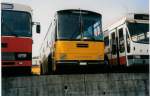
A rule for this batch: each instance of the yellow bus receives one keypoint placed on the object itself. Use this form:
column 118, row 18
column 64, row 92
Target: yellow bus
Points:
column 74, row 38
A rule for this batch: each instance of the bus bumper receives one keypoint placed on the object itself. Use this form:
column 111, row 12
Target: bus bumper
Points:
column 138, row 60
column 16, row 64
column 76, row 65
column 80, row 63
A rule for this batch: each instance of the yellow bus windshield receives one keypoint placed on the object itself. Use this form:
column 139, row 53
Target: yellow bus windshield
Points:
column 78, row 25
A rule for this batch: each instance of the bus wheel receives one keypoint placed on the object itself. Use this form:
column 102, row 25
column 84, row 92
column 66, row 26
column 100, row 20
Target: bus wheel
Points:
column 50, row 61
column 41, row 70
column 23, row 71
column 29, row 71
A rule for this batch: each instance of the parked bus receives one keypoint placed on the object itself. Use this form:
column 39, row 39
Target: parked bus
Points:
column 16, row 37
column 74, row 38
column 127, row 41
column 35, row 66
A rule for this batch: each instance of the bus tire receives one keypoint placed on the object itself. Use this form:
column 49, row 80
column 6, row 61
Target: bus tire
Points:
column 50, row 64
column 41, row 69
column 29, row 69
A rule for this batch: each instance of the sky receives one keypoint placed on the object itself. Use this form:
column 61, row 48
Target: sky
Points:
column 111, row 10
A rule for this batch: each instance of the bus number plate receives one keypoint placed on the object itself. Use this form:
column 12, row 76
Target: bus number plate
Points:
column 83, row 63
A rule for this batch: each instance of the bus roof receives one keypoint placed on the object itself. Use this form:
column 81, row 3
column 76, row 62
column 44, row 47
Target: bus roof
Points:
column 71, row 10
column 16, row 7
column 130, row 17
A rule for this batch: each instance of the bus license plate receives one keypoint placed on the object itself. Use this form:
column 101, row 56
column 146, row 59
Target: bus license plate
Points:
column 83, row 63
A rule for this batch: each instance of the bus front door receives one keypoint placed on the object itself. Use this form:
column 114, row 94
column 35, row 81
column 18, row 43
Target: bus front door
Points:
column 121, row 45
column 113, row 47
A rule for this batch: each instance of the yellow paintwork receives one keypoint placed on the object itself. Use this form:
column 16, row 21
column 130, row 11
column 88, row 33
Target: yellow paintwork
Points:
column 68, row 50
column 36, row 69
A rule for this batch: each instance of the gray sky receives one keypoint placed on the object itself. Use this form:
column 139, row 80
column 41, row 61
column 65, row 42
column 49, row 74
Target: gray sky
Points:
column 111, row 10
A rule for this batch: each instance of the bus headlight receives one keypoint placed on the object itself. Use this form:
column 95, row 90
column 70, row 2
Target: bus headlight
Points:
column 22, row 55
column 137, row 57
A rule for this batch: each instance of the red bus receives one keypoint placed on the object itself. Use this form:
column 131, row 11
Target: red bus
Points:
column 16, row 37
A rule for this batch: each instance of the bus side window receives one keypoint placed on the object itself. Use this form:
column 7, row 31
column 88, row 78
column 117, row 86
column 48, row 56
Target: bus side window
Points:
column 113, row 43
column 121, row 41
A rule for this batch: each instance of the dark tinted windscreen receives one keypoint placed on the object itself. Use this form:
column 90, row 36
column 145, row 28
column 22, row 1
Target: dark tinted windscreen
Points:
column 139, row 32
column 77, row 25
column 16, row 23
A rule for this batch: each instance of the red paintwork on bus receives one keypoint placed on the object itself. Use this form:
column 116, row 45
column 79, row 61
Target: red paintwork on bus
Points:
column 24, row 63
column 17, row 44
column 122, row 60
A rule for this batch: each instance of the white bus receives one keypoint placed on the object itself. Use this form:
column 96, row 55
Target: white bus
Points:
column 127, row 41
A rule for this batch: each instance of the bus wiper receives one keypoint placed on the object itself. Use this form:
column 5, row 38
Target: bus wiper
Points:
column 93, row 39
column 74, row 34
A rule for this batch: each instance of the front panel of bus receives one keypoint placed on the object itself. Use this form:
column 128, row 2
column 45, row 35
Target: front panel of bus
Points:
column 137, row 43
column 16, row 39
column 79, row 38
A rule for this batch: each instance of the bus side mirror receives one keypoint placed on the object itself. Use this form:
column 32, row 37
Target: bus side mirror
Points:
column 38, row 28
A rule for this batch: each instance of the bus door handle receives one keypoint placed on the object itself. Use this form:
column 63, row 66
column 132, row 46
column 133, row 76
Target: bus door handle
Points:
column 82, row 45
